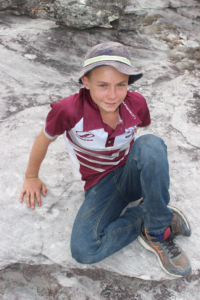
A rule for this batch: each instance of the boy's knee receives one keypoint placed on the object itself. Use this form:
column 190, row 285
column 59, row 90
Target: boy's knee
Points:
column 150, row 149
column 150, row 141
column 77, row 252
column 80, row 249
column 151, row 145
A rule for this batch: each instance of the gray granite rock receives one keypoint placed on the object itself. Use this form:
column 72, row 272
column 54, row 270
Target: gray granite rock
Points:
column 192, row 13
column 183, row 3
column 134, row 5
column 4, row 4
column 54, row 282
column 122, row 15
column 130, row 22
column 107, row 5
column 76, row 14
column 157, row 4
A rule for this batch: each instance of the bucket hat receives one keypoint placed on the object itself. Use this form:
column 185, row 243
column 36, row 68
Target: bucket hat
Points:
column 109, row 54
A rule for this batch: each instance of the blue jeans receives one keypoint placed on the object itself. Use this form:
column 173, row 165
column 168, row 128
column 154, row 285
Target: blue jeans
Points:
column 99, row 230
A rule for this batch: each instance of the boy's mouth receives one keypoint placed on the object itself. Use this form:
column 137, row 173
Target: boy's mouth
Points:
column 111, row 104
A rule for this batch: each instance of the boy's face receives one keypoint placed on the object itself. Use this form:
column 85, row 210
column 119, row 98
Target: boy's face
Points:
column 108, row 87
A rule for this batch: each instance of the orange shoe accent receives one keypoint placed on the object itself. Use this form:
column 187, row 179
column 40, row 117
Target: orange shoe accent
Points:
column 153, row 245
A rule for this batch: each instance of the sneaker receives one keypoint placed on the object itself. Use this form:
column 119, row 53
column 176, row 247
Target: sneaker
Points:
column 179, row 223
column 172, row 259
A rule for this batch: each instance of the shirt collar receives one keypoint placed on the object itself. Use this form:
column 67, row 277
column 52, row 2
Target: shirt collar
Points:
column 127, row 112
column 91, row 116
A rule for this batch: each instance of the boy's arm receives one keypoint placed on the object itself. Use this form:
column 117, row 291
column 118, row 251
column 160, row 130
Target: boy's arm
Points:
column 32, row 184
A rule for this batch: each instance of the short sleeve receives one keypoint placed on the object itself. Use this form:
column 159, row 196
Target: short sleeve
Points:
column 144, row 115
column 139, row 106
column 56, row 121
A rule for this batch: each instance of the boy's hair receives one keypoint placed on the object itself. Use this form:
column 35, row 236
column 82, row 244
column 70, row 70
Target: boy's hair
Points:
column 109, row 54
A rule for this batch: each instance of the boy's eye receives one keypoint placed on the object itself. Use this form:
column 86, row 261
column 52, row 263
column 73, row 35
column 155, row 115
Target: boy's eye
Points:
column 102, row 85
column 121, row 84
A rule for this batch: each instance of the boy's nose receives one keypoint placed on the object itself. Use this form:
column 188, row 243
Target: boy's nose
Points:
column 111, row 93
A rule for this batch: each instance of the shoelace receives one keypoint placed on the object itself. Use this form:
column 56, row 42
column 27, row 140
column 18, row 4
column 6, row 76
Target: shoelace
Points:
column 170, row 245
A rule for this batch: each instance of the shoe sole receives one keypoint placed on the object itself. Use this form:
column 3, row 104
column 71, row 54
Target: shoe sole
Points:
column 183, row 217
column 145, row 245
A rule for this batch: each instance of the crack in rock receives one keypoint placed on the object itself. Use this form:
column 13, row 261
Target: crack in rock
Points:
column 184, row 137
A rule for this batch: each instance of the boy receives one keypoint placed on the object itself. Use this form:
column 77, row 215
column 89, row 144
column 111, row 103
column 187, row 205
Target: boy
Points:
column 99, row 127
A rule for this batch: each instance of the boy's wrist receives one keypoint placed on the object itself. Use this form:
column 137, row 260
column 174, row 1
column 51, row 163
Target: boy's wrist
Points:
column 27, row 175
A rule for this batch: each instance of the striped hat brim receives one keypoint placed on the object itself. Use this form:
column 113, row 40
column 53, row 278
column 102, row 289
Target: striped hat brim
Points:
column 120, row 66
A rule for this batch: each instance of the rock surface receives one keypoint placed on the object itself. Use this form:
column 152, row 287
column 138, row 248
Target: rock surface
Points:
column 87, row 13
column 57, row 283
column 38, row 62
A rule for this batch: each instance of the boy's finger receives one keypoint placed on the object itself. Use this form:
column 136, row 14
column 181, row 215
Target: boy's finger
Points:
column 44, row 189
column 27, row 200
column 23, row 192
column 32, row 200
column 38, row 199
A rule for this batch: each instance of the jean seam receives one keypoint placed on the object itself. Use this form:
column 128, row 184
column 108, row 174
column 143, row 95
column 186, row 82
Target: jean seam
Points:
column 101, row 215
column 148, row 219
column 142, row 183
column 118, row 188
column 133, row 158
column 121, row 229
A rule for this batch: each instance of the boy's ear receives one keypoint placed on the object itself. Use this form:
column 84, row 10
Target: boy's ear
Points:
column 85, row 82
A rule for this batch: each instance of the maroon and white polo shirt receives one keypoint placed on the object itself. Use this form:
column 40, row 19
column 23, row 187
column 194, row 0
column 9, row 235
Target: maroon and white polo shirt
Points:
column 95, row 149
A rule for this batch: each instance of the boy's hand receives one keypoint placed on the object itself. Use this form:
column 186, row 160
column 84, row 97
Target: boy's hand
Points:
column 32, row 184
column 32, row 187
